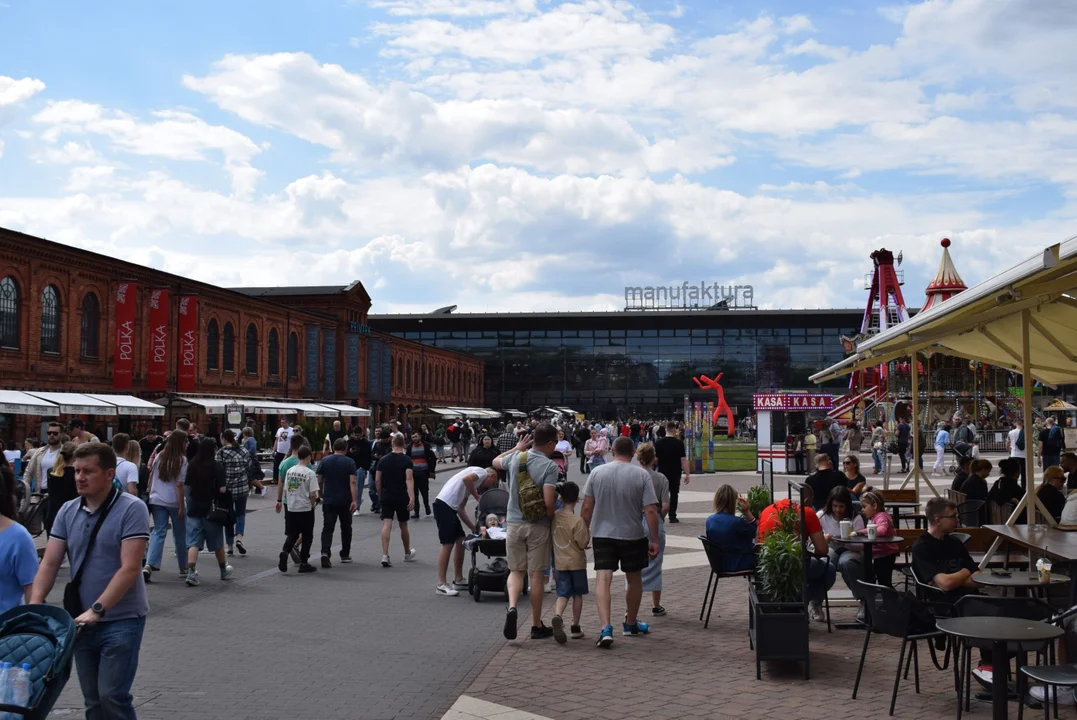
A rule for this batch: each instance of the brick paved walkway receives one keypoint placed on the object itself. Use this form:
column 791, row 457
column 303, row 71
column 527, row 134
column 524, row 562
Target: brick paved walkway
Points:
column 684, row 671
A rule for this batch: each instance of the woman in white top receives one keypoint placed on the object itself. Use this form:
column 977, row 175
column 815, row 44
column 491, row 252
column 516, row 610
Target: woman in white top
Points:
column 167, row 477
column 847, row 558
column 563, row 446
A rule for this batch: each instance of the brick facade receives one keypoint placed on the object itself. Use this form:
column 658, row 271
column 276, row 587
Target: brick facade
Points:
column 335, row 320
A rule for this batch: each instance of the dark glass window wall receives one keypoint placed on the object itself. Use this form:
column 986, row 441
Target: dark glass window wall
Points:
column 616, row 363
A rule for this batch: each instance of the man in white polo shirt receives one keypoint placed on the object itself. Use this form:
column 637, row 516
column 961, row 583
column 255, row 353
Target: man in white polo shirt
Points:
column 450, row 507
column 281, row 444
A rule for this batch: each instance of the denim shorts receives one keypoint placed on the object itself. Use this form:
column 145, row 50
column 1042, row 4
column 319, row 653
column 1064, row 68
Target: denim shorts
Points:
column 201, row 530
column 571, row 583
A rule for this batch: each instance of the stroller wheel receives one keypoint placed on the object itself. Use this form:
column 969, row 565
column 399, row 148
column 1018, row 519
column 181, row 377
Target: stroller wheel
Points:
column 477, row 594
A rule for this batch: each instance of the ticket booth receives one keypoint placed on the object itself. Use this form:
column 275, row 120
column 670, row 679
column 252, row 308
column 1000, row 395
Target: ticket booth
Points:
column 781, row 416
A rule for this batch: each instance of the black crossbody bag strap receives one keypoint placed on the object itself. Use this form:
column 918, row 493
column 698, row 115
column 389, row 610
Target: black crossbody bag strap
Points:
column 72, row 599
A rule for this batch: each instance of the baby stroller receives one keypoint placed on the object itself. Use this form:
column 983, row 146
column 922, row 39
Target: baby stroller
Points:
column 961, row 450
column 494, row 576
column 44, row 637
column 562, row 465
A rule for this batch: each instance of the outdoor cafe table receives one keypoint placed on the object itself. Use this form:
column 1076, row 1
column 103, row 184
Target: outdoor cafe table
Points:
column 999, row 631
column 896, row 506
column 1018, row 580
column 866, row 542
column 1058, row 544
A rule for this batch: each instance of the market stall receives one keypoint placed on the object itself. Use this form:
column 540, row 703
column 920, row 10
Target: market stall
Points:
column 781, row 417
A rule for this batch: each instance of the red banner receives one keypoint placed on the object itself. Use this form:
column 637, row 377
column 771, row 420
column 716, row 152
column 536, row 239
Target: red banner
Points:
column 123, row 362
column 188, row 344
column 157, row 374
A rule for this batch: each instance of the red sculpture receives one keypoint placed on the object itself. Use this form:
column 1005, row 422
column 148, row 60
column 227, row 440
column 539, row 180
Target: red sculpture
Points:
column 709, row 384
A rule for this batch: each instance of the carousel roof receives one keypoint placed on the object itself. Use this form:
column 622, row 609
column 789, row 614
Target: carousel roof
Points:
column 946, row 283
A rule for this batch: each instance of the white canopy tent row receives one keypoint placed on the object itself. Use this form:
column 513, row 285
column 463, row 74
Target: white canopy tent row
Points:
column 1023, row 319
column 32, row 402
column 219, row 406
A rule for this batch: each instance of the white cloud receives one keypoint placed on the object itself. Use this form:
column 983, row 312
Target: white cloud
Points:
column 456, row 8
column 15, row 91
column 174, row 134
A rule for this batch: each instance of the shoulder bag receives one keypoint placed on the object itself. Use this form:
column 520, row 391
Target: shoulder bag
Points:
column 72, row 597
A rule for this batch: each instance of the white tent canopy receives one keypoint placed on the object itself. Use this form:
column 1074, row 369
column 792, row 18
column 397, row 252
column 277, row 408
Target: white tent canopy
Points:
column 346, row 410
column 130, row 405
column 515, row 413
column 210, row 405
column 15, row 402
column 444, row 412
column 267, row 407
column 77, row 403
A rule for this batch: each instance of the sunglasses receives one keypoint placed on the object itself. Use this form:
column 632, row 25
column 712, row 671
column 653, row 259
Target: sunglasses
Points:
column 52, row 432
column 848, row 462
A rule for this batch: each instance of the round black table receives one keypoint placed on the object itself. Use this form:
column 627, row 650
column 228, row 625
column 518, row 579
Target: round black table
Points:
column 1018, row 580
column 866, row 542
column 999, row 631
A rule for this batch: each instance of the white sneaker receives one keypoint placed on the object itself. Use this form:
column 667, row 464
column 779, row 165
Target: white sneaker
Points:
column 1039, row 693
column 445, row 590
column 226, row 572
column 355, row 514
column 815, row 612
column 549, row 587
column 385, row 561
column 411, row 555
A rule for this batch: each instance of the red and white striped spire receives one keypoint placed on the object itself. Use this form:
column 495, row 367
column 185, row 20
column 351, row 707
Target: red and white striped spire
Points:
column 947, row 282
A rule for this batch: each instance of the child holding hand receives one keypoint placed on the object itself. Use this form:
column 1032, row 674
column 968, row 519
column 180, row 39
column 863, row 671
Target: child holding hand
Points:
column 570, row 539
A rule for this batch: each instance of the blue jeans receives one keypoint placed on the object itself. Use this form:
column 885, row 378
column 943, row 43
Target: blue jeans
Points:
column 821, row 577
column 877, row 458
column 360, row 481
column 370, row 476
column 106, row 656
column 240, row 506
column 161, row 516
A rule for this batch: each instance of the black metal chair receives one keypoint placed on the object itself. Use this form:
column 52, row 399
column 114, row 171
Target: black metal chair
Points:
column 968, row 513
column 897, row 615
column 715, row 555
column 1052, row 676
column 1013, row 607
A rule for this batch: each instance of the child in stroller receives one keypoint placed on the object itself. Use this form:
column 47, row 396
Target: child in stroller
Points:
column 494, row 576
column 562, row 465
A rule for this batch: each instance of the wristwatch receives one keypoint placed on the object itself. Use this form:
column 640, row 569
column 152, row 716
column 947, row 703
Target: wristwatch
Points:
column 98, row 608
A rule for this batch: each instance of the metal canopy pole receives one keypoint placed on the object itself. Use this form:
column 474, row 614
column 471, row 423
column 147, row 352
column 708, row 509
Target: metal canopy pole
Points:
column 1030, row 499
column 916, row 473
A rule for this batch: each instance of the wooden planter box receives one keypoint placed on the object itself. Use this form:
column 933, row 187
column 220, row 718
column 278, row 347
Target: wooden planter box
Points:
column 777, row 631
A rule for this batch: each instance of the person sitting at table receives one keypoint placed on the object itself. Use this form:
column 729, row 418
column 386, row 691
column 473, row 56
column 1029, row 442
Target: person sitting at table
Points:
column 821, row 574
column 941, row 560
column 823, row 480
column 854, row 479
column 883, row 555
column 735, row 535
column 962, row 472
column 975, row 487
column 1007, row 489
column 1069, row 512
column 1051, row 493
column 848, row 558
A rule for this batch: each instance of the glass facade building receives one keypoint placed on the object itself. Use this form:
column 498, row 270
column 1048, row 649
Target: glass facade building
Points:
column 636, row 363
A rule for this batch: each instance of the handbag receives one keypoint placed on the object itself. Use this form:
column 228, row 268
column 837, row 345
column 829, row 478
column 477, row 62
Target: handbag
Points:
column 72, row 596
column 220, row 515
column 254, row 468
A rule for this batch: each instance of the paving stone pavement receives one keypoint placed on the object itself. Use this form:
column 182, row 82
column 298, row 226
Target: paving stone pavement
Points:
column 353, row 641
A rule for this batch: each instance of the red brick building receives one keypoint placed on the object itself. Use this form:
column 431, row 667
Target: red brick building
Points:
column 73, row 320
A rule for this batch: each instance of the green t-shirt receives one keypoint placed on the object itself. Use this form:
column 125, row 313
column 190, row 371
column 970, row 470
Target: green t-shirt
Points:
column 286, row 465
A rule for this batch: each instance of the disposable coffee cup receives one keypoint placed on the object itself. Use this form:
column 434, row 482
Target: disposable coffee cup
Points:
column 871, row 531
column 846, row 529
column 1043, row 567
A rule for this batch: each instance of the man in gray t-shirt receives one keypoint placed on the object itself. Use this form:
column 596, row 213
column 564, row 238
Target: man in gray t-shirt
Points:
column 614, row 498
column 112, row 603
column 529, row 544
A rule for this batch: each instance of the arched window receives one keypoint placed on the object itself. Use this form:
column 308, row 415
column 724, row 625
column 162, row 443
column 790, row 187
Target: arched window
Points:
column 274, row 353
column 213, row 346
column 251, row 363
column 293, row 355
column 229, row 353
column 407, row 376
column 399, row 373
column 91, row 326
column 9, row 313
column 50, row 320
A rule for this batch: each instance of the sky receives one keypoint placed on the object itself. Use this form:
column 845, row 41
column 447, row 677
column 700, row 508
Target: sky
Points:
column 522, row 155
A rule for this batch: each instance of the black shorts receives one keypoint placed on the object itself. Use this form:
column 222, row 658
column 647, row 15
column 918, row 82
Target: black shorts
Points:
column 395, row 510
column 630, row 554
column 449, row 528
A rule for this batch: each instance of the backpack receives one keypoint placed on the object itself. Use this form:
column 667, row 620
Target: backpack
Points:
column 1020, row 444
column 532, row 504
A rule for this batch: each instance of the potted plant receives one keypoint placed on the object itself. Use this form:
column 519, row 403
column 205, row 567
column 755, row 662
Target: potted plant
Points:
column 778, row 615
column 758, row 499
